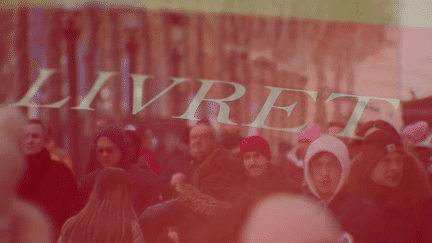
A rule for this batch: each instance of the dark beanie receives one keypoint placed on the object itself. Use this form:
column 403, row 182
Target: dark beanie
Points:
column 387, row 127
column 116, row 135
column 381, row 141
column 255, row 143
column 377, row 124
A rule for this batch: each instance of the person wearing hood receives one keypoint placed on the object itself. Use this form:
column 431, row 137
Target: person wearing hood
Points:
column 111, row 151
column 327, row 169
column 396, row 182
column 294, row 159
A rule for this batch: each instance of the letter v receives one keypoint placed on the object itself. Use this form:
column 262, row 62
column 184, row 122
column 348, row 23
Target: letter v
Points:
column 138, row 91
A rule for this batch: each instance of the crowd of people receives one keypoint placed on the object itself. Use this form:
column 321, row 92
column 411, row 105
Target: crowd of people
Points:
column 375, row 187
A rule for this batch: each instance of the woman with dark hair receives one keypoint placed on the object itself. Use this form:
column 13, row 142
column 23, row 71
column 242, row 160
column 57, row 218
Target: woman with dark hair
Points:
column 108, row 216
column 111, row 151
column 395, row 181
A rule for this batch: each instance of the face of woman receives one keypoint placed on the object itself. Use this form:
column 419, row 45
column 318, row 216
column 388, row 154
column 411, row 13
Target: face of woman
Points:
column 108, row 154
column 389, row 170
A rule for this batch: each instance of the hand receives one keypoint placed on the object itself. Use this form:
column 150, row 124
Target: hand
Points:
column 178, row 178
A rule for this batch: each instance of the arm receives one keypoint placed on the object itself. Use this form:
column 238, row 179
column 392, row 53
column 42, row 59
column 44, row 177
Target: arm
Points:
column 190, row 197
column 155, row 219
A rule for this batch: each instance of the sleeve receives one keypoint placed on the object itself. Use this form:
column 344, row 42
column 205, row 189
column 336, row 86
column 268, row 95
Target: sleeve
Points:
column 190, row 197
column 155, row 220
column 226, row 217
column 160, row 214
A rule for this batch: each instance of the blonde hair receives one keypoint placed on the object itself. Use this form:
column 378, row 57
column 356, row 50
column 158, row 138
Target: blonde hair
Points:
column 108, row 215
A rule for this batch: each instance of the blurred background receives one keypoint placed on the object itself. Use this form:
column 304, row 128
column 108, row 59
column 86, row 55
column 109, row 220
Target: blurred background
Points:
column 78, row 40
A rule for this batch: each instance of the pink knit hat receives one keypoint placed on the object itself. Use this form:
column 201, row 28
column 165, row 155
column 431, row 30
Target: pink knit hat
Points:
column 416, row 132
column 309, row 134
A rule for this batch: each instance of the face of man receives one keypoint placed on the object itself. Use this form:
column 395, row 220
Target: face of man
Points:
column 255, row 163
column 34, row 139
column 108, row 154
column 389, row 170
column 326, row 173
column 201, row 141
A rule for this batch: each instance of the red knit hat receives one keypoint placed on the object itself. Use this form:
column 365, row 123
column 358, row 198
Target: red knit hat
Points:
column 255, row 143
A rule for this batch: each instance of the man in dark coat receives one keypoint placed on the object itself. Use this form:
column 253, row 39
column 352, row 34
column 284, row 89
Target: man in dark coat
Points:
column 327, row 167
column 264, row 179
column 198, row 212
column 48, row 184
column 202, row 141
column 214, row 206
